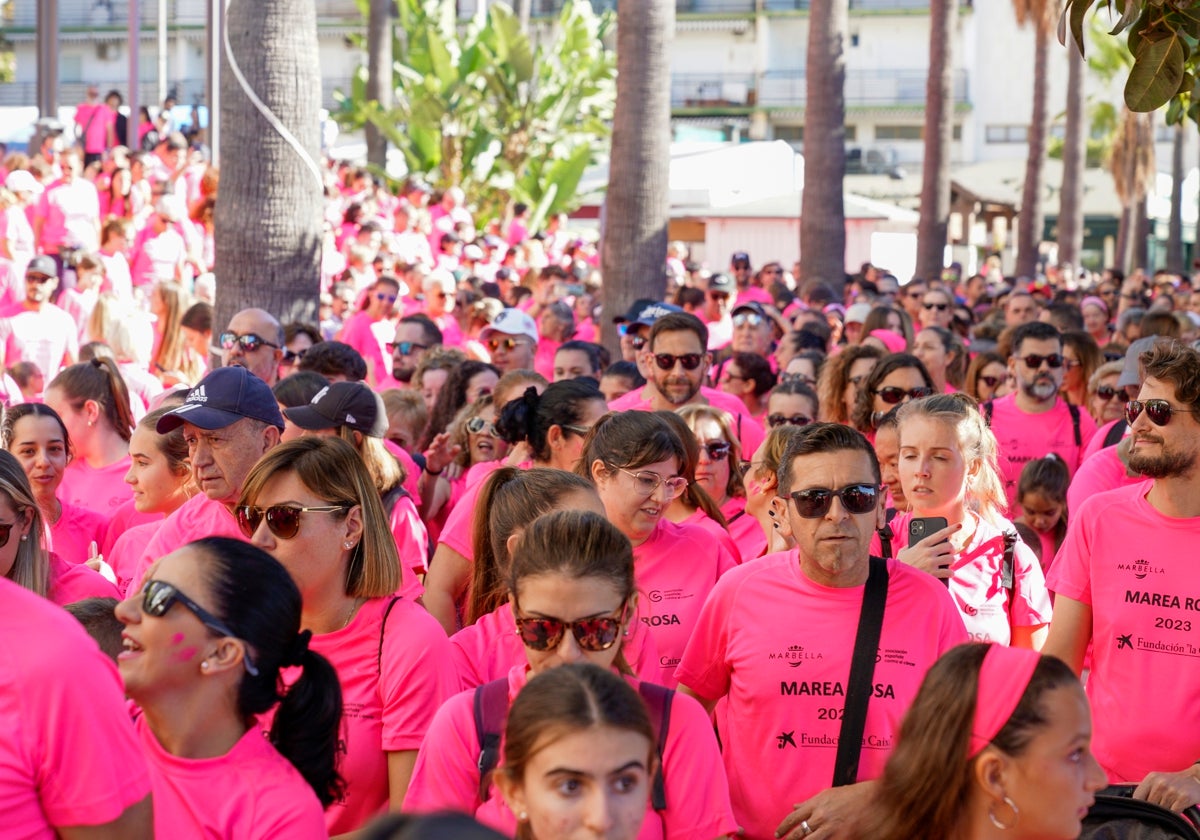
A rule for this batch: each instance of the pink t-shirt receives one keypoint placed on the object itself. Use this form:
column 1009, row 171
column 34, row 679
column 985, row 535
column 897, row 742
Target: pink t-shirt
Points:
column 67, row 737
column 250, row 792
column 412, row 542
column 102, row 490
column 744, row 529
column 752, row 294
column 70, row 583
column 750, row 432
column 447, row 773
column 70, row 215
column 490, row 648
column 95, row 122
column 389, row 701
column 715, row 531
column 1136, row 569
column 1098, row 474
column 74, row 532
column 360, row 335
column 976, row 587
column 543, row 358
column 157, row 257
column 412, row 473
column 778, row 646
column 675, row 569
column 459, row 531
column 123, row 518
column 125, row 553
column 1097, row 442
column 1022, row 437
column 198, row 517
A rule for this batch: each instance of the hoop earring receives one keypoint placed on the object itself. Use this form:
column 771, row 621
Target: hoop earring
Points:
column 1015, row 814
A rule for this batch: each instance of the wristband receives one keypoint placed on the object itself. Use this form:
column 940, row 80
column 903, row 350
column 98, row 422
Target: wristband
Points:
column 431, row 472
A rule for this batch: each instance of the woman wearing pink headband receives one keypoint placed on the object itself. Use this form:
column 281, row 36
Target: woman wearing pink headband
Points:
column 1096, row 319
column 996, row 745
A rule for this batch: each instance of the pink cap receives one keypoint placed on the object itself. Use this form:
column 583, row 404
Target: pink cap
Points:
column 894, row 342
column 1003, row 678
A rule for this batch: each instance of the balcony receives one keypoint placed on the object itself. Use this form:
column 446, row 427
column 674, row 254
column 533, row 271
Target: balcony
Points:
column 17, row 94
column 713, row 90
column 864, row 88
column 90, row 14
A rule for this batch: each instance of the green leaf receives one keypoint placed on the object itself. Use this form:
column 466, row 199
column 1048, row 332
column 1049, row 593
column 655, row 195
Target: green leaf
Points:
column 1156, row 74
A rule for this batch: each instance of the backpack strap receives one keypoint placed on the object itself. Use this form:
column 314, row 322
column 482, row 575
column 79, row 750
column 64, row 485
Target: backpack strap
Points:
column 862, row 673
column 1115, row 433
column 886, row 534
column 382, row 631
column 1074, row 409
column 1011, row 538
column 658, row 704
column 988, row 408
column 491, row 708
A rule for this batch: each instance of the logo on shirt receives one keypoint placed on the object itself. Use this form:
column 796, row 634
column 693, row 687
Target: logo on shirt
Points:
column 660, row 620
column 795, row 655
column 657, row 595
column 1125, row 641
column 786, row 739
column 197, row 395
column 1141, row 569
column 895, row 656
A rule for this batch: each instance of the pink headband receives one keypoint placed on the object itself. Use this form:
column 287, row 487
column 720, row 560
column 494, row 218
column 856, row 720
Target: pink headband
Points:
column 1003, row 678
column 894, row 342
column 1095, row 301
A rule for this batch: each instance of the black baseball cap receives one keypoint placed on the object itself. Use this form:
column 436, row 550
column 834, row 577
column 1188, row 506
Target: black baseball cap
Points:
column 646, row 311
column 222, row 398
column 349, row 404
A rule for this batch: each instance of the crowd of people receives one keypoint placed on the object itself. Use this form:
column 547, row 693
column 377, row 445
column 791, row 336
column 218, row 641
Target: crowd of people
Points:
column 800, row 559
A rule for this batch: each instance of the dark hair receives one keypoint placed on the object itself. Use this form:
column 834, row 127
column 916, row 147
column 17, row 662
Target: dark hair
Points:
column 927, row 782
column 877, row 319
column 565, row 700
column 1156, row 322
column 823, row 438
column 864, row 408
column 756, row 369
column 441, row 825
column 956, row 369
column 333, row 358
column 171, row 444
column 630, row 439
column 530, row 417
column 23, row 373
column 590, row 349
column 432, row 334
column 198, row 317
column 1033, row 331
column 18, row 412
column 1087, row 350
column 835, row 379
column 1065, row 316
column 628, row 370
column 452, row 397
column 295, row 328
column 679, row 322
column 1177, row 364
column 1048, row 476
column 99, row 380
column 975, row 370
column 510, row 499
column 798, row 389
column 99, row 619
column 299, row 388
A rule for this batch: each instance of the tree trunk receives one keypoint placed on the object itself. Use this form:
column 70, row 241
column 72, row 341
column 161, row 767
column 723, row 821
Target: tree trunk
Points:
column 1175, row 223
column 1124, row 234
column 379, row 74
column 1070, row 208
column 1031, row 220
column 1140, row 246
column 637, row 205
column 939, row 134
column 822, row 215
column 269, row 213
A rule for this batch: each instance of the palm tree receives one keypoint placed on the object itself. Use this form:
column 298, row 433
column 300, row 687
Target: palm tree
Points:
column 1042, row 14
column 637, row 210
column 1131, row 163
column 1070, row 212
column 939, row 134
column 1175, row 222
column 822, row 216
column 268, row 215
column 379, row 74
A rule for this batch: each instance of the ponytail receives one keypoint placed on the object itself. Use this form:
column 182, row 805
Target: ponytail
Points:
column 99, row 380
column 530, row 416
column 306, row 726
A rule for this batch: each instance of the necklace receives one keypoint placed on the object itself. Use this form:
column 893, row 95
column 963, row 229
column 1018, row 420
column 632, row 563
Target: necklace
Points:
column 353, row 609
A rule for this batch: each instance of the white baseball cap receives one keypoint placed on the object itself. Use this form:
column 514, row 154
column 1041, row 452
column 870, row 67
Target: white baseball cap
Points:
column 511, row 322
column 20, row 180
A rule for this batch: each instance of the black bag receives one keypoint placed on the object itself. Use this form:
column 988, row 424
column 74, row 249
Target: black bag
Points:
column 1117, row 816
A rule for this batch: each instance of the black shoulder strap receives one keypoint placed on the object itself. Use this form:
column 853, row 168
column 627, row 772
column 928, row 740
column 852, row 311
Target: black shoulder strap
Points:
column 382, row 630
column 886, row 535
column 1115, row 433
column 862, row 672
column 491, row 707
column 1011, row 538
column 988, row 408
column 658, row 704
column 1074, row 409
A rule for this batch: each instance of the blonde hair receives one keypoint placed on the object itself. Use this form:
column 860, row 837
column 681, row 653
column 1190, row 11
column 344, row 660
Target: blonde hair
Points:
column 333, row 470
column 691, row 414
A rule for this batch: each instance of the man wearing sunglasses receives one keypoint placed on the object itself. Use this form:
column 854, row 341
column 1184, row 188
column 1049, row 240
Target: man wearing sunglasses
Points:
column 512, row 339
column 369, row 329
column 753, row 329
column 44, row 333
column 253, row 340
column 230, row 419
column 776, row 638
column 1125, row 583
column 416, row 334
column 1034, row 420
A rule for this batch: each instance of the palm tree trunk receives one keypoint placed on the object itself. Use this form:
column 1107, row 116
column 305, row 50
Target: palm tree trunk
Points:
column 1175, row 223
column 1031, row 221
column 637, row 207
column 1070, row 212
column 268, row 216
column 822, row 217
column 379, row 74
column 939, row 134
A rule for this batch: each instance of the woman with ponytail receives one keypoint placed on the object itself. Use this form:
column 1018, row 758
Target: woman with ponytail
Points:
column 93, row 402
column 206, row 639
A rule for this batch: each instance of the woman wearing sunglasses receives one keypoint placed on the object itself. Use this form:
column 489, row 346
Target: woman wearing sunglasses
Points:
column 465, row 385
column 311, row 504
column 987, row 377
column 944, row 356
column 206, row 642
column 719, row 473
column 360, row 329
column 637, row 460
column 472, row 439
column 570, row 607
column 898, row 378
column 487, row 649
column 948, row 469
column 694, row 506
column 1081, row 357
column 553, row 425
column 1106, row 400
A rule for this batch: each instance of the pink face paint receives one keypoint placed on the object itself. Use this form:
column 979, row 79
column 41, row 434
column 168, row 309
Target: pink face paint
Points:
column 186, row 654
column 176, row 639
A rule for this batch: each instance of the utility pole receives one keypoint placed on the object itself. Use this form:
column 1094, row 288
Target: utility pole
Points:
column 135, row 32
column 47, row 61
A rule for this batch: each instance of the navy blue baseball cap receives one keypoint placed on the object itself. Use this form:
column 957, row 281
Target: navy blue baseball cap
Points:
column 222, row 398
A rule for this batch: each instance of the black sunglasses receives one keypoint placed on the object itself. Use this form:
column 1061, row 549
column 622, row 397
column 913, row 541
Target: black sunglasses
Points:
column 940, row 307
column 1033, row 361
column 249, row 342
column 716, row 450
column 405, row 347
column 5, row 532
column 797, row 377
column 282, row 520
column 892, row 395
column 158, row 597
column 638, row 342
column 777, row 420
column 591, row 634
column 666, row 361
column 291, row 357
column 991, row 381
column 815, row 503
column 1159, row 411
column 1107, row 392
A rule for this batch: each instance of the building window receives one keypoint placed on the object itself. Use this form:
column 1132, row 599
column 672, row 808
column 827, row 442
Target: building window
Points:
column 899, row 132
column 793, row 134
column 1006, row 134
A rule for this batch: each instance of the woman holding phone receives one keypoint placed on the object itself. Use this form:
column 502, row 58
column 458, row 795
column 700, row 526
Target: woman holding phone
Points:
column 954, row 529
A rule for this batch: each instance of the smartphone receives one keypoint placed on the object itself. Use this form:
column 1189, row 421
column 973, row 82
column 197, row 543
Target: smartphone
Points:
column 922, row 526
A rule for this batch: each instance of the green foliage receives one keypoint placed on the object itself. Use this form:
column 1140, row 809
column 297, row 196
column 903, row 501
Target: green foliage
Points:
column 478, row 105
column 1164, row 44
